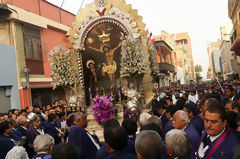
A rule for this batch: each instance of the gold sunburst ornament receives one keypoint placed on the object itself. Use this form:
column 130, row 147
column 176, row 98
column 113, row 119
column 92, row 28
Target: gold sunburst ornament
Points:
column 104, row 37
column 101, row 3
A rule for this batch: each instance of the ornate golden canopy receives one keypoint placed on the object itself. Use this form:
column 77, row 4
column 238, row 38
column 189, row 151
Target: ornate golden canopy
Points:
column 100, row 11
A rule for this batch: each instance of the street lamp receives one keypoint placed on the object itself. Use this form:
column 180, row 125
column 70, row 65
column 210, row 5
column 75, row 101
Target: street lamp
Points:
column 26, row 71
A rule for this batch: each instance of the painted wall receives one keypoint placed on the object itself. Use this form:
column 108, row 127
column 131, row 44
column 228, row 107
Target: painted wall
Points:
column 50, row 38
column 45, row 9
column 8, row 71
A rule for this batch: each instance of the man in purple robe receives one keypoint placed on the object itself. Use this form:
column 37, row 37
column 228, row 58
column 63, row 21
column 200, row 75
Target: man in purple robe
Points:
column 81, row 138
column 32, row 132
column 170, row 110
column 218, row 141
column 52, row 129
column 195, row 120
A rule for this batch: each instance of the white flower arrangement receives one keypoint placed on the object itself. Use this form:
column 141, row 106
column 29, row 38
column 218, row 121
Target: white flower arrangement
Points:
column 132, row 58
column 63, row 73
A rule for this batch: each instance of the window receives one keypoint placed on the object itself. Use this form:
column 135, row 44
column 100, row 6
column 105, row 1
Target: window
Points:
column 32, row 47
column 32, row 42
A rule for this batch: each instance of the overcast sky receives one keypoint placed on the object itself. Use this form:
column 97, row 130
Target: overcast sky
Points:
column 200, row 18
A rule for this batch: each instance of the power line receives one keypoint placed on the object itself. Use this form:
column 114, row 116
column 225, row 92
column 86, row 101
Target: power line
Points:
column 80, row 7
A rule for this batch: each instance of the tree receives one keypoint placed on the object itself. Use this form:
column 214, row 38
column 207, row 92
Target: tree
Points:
column 198, row 69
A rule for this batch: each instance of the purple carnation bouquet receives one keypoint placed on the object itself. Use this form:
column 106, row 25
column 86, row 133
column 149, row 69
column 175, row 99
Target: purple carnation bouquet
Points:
column 103, row 108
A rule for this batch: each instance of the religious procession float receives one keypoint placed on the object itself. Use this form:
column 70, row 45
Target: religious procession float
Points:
column 110, row 65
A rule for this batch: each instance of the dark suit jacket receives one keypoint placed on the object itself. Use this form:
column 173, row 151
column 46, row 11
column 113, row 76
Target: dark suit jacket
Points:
column 6, row 144
column 51, row 129
column 167, row 128
column 22, row 130
column 194, row 137
column 121, row 155
column 102, row 153
column 197, row 122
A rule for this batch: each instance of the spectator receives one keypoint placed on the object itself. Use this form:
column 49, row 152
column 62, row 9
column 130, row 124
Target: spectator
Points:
column 17, row 152
column 102, row 153
column 156, row 120
column 81, row 138
column 16, row 135
column 43, row 145
column 66, row 151
column 6, row 143
column 195, row 120
column 52, row 129
column 170, row 110
column 231, row 120
column 182, row 122
column 216, row 130
column 229, row 92
column 161, row 112
column 143, row 118
column 116, row 140
column 169, row 101
column 148, row 145
column 130, row 126
column 228, row 106
column 235, row 107
column 153, row 127
column 181, row 148
column 33, row 131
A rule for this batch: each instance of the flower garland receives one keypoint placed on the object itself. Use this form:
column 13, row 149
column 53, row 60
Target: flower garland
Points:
column 103, row 108
column 153, row 60
column 132, row 58
column 63, row 73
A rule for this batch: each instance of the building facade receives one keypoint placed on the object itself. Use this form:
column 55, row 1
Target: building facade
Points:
column 229, row 61
column 234, row 15
column 213, row 47
column 29, row 30
column 165, row 45
column 183, row 41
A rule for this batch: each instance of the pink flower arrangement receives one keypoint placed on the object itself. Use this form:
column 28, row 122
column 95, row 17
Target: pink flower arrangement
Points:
column 103, row 108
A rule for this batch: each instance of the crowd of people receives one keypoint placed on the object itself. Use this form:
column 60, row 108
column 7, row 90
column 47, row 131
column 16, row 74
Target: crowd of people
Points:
column 193, row 121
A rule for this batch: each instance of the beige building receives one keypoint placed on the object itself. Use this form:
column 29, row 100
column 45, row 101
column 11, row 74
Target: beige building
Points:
column 212, row 47
column 165, row 45
column 176, row 52
column 234, row 15
column 183, row 41
column 229, row 62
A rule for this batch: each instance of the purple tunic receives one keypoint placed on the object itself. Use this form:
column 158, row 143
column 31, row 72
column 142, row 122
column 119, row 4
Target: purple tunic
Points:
column 226, row 147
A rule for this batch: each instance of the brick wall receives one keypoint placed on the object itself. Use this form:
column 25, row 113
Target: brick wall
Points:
column 20, row 55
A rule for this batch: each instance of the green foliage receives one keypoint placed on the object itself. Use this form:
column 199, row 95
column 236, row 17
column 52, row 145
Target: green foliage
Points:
column 198, row 68
column 153, row 60
column 198, row 77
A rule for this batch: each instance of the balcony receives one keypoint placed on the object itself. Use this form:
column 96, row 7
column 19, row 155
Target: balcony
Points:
column 166, row 68
column 235, row 40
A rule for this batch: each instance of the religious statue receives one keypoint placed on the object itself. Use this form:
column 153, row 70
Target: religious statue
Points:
column 110, row 66
column 93, row 77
